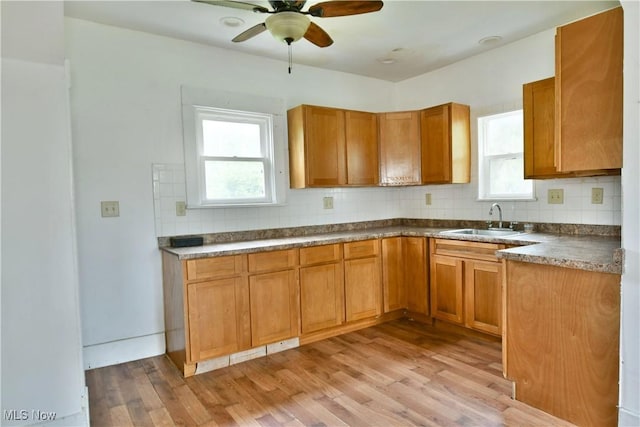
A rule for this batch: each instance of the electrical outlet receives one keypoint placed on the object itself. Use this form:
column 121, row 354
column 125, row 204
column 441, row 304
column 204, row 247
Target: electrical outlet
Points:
column 597, row 195
column 327, row 202
column 555, row 197
column 181, row 208
column 427, row 198
column 109, row 209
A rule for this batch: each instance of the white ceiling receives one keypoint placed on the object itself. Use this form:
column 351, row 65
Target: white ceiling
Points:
column 419, row 35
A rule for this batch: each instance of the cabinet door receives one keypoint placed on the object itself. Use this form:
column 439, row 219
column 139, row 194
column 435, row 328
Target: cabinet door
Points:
column 393, row 281
column 445, row 144
column 218, row 318
column 436, row 145
column 363, row 290
column 316, row 147
column 446, row 288
column 589, row 93
column 539, row 134
column 483, row 296
column 361, row 130
column 415, row 274
column 399, row 148
column 274, row 307
column 321, row 297
column 325, row 143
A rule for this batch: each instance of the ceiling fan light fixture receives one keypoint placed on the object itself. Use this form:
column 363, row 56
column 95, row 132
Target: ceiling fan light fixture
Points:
column 287, row 26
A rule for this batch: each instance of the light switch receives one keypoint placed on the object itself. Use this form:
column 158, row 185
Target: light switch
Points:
column 110, row 209
column 427, row 198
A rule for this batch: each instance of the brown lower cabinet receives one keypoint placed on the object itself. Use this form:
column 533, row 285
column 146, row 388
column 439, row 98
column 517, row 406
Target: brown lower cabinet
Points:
column 404, row 274
column 466, row 284
column 321, row 288
column 217, row 306
column 214, row 332
column 561, row 343
column 362, row 280
column 273, row 296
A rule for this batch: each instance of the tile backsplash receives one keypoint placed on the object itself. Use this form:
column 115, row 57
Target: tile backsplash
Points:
column 455, row 201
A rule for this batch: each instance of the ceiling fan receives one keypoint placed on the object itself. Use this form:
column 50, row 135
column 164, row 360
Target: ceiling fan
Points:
column 289, row 23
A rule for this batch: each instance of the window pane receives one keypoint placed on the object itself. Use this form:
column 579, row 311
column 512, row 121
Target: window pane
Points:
column 506, row 177
column 229, row 139
column 504, row 134
column 234, row 180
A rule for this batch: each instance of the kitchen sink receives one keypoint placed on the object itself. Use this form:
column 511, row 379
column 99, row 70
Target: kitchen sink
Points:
column 483, row 232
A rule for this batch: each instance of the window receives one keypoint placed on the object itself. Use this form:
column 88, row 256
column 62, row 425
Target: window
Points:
column 232, row 155
column 500, row 158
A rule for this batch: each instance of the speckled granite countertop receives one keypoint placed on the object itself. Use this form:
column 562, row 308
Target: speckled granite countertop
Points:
column 585, row 252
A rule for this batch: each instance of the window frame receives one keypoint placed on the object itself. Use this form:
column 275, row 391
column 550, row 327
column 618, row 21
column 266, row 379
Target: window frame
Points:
column 198, row 104
column 265, row 122
column 484, row 162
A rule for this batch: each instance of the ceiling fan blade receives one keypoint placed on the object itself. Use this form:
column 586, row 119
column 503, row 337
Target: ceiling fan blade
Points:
column 235, row 5
column 318, row 36
column 330, row 9
column 253, row 31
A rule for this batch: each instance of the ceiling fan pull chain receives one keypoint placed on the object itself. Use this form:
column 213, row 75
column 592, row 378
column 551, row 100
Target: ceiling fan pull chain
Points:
column 290, row 58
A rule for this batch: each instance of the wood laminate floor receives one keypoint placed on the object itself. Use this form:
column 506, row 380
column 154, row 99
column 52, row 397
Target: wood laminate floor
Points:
column 400, row 373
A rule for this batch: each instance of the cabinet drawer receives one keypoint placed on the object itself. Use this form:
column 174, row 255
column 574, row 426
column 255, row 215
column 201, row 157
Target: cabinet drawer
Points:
column 272, row 260
column 365, row 248
column 320, row 254
column 214, row 267
column 464, row 249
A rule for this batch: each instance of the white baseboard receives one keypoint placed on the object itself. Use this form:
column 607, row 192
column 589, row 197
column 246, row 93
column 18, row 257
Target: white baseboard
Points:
column 126, row 350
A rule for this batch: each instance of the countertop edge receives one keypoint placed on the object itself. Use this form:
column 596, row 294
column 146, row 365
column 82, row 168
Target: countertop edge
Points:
column 521, row 251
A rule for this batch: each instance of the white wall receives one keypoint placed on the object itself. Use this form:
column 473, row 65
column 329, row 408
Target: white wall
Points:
column 630, row 337
column 41, row 348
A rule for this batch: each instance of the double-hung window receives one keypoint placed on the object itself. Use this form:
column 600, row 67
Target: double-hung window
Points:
column 500, row 158
column 235, row 156
column 234, row 149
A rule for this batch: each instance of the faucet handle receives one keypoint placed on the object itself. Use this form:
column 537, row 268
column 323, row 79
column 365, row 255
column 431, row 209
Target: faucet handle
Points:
column 489, row 224
column 513, row 224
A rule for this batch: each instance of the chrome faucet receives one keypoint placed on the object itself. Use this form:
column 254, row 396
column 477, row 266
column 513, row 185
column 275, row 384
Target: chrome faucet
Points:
column 495, row 205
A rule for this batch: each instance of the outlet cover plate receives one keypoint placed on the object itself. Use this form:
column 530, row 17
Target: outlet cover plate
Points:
column 327, row 202
column 555, row 196
column 181, row 208
column 110, row 209
column 597, row 194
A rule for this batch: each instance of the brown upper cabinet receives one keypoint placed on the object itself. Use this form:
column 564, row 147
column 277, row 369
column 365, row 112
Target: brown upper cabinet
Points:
column 329, row 147
column 539, row 136
column 361, row 131
column 588, row 93
column 399, row 136
column 539, row 111
column 446, row 144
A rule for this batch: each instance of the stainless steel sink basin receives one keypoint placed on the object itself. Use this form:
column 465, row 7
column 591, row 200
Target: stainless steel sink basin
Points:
column 483, row 232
